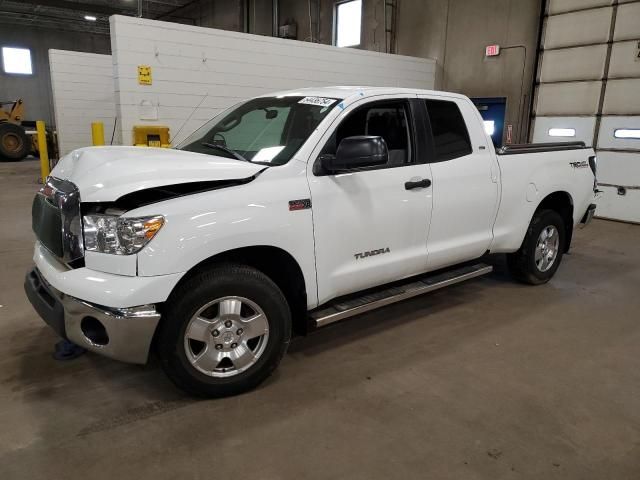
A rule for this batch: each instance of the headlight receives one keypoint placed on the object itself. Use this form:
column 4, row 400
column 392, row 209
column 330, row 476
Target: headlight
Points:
column 119, row 235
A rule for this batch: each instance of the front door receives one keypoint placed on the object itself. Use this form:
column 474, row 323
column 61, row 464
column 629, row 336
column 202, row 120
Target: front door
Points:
column 371, row 226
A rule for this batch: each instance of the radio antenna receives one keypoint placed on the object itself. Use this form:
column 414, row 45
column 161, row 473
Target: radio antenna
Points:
column 191, row 115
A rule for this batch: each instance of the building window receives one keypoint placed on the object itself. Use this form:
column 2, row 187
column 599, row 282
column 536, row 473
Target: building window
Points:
column 348, row 23
column 627, row 133
column 17, row 60
column 562, row 132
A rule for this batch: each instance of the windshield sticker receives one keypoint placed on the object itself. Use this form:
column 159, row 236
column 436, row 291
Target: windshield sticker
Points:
column 318, row 101
column 267, row 154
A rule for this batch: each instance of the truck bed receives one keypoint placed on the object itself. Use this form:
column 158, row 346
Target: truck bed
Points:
column 529, row 176
column 540, row 147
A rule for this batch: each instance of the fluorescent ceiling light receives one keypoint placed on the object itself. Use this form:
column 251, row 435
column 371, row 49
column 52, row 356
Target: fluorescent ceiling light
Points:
column 562, row 132
column 349, row 20
column 627, row 133
column 490, row 127
column 17, row 60
column 90, row 18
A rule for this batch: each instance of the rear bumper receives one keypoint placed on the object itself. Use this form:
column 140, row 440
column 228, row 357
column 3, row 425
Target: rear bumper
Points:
column 588, row 216
column 124, row 334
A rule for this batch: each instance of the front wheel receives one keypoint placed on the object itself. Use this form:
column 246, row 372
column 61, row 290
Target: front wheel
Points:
column 539, row 257
column 224, row 331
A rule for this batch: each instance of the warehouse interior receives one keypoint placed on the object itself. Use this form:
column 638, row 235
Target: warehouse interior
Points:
column 490, row 378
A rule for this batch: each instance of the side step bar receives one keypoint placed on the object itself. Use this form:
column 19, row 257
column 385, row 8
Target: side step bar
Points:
column 355, row 306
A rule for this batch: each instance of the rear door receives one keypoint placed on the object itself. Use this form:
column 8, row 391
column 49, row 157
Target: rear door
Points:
column 371, row 226
column 465, row 182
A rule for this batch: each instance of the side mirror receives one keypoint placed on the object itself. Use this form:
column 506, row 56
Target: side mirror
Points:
column 357, row 152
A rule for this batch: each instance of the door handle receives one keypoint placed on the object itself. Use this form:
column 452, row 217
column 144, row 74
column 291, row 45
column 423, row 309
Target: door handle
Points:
column 426, row 183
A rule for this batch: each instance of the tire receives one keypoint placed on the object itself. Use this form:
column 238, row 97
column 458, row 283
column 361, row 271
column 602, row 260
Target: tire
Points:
column 204, row 345
column 528, row 264
column 14, row 142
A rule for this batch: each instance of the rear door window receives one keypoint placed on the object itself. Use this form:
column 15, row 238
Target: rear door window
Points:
column 450, row 136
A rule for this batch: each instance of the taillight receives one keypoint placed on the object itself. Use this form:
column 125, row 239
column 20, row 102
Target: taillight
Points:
column 593, row 164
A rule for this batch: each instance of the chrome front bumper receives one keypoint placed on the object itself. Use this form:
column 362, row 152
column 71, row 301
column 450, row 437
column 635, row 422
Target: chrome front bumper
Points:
column 124, row 334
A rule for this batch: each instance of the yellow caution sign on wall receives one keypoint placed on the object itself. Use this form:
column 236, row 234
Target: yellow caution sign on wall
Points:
column 144, row 75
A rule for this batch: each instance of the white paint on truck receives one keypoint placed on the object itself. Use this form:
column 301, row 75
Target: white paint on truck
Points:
column 439, row 201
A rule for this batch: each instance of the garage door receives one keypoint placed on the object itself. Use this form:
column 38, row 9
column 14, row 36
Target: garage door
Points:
column 589, row 89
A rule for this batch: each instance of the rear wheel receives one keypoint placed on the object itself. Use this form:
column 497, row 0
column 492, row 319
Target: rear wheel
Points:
column 14, row 142
column 539, row 257
column 224, row 331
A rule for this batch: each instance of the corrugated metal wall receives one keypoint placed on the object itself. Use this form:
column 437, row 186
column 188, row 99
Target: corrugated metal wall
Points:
column 589, row 85
column 82, row 92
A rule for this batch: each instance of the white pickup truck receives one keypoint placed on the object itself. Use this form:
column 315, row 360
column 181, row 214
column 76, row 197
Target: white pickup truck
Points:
column 285, row 213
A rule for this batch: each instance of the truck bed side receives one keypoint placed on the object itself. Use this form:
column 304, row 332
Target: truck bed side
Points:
column 529, row 177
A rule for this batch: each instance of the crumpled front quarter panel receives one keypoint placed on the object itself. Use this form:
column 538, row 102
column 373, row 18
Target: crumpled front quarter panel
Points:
column 202, row 225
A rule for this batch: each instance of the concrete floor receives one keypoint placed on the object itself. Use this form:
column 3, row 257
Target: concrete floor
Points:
column 486, row 380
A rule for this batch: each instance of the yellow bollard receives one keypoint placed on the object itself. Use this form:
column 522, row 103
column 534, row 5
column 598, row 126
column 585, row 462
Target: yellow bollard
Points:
column 97, row 133
column 42, row 150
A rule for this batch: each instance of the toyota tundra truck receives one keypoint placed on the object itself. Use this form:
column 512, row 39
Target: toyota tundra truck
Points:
column 286, row 213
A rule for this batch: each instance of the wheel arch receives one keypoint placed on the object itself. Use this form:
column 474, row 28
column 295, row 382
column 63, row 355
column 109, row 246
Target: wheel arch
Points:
column 277, row 264
column 561, row 202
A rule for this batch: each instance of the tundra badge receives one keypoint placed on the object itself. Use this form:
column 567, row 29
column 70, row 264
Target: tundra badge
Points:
column 380, row 251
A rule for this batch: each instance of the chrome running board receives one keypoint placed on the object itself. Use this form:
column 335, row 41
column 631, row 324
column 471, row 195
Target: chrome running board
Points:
column 371, row 301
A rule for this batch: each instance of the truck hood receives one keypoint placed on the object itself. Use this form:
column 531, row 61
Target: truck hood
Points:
column 104, row 174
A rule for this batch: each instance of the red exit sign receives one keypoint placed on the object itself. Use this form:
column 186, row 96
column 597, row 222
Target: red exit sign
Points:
column 492, row 51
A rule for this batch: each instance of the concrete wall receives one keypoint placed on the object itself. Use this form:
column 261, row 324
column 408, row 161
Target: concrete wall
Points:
column 222, row 14
column 455, row 33
column 260, row 17
column 36, row 89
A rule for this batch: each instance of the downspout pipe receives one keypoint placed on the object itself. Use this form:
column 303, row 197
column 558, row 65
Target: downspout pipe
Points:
column 275, row 18
column 246, row 26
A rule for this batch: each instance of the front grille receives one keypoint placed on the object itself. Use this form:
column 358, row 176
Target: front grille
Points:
column 56, row 220
column 46, row 221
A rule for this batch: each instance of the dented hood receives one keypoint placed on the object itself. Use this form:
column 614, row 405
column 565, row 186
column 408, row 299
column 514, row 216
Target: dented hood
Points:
column 104, row 174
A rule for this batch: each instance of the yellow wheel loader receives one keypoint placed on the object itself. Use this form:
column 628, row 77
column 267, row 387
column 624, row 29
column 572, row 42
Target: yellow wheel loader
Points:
column 15, row 144
column 18, row 138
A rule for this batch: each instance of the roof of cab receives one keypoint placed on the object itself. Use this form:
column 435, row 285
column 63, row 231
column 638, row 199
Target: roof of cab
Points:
column 344, row 92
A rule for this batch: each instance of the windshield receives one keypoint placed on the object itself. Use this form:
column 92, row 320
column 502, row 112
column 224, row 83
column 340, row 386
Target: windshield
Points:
column 266, row 130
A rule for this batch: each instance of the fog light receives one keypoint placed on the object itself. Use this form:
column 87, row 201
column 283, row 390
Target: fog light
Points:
column 94, row 331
